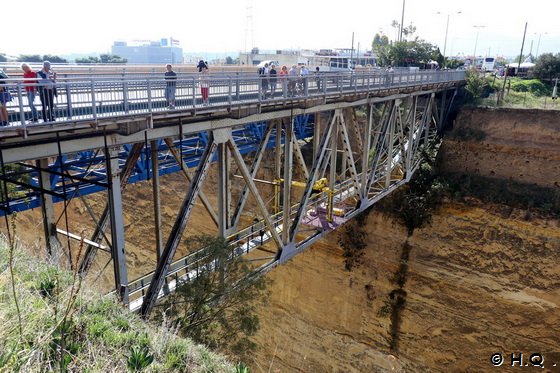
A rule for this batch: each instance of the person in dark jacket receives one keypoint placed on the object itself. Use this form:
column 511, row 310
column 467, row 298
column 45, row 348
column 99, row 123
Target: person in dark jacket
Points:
column 47, row 90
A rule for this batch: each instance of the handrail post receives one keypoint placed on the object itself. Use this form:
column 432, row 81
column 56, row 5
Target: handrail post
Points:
column 69, row 100
column 20, row 100
column 125, row 96
column 193, row 96
column 93, row 101
column 237, row 88
column 149, row 89
column 230, row 89
column 259, row 88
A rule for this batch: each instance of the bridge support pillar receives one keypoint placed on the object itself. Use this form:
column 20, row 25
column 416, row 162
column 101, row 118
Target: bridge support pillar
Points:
column 287, row 192
column 224, row 190
column 366, row 143
column 117, row 223
column 156, row 197
column 47, row 207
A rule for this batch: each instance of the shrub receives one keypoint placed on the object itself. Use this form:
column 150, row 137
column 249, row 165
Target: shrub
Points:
column 533, row 86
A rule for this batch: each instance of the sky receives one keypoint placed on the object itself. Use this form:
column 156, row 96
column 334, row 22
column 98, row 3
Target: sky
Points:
column 218, row 26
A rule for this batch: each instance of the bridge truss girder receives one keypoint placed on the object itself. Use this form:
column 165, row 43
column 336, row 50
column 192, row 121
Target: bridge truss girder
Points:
column 362, row 163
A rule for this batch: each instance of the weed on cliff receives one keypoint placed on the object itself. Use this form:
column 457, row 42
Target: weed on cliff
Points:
column 65, row 327
column 414, row 203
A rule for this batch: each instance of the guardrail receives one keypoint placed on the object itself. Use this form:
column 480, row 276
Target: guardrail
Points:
column 98, row 98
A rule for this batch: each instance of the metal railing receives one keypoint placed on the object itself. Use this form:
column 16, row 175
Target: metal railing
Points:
column 78, row 99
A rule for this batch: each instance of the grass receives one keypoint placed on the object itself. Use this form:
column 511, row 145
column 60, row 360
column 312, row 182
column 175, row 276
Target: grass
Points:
column 530, row 94
column 66, row 327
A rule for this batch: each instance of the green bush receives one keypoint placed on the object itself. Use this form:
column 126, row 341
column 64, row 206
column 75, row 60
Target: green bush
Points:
column 533, row 86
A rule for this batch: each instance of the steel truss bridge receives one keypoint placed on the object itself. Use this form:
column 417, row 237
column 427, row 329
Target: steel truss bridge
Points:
column 328, row 167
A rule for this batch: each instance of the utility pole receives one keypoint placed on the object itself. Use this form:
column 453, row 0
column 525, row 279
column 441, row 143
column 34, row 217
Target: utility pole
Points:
column 522, row 45
column 478, row 27
column 447, row 30
column 351, row 51
column 402, row 20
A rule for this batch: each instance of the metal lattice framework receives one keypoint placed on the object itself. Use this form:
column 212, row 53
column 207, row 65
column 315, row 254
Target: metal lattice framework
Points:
column 328, row 167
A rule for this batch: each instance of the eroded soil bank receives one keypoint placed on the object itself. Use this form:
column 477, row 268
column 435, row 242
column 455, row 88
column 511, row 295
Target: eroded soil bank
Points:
column 483, row 278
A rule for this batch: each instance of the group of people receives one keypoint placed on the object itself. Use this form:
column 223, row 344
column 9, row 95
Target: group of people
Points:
column 293, row 81
column 41, row 83
column 170, row 77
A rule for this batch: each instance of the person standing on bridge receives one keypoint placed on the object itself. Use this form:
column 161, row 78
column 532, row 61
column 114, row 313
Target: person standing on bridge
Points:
column 284, row 79
column 170, row 86
column 318, row 78
column 263, row 73
column 30, row 81
column 5, row 96
column 47, row 91
column 292, row 81
column 389, row 75
column 204, row 82
column 273, row 80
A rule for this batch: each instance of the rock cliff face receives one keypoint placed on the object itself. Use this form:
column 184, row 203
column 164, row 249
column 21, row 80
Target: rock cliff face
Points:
column 481, row 279
column 518, row 145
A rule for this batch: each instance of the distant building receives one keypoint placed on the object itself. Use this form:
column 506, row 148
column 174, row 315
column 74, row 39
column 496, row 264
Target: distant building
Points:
column 167, row 50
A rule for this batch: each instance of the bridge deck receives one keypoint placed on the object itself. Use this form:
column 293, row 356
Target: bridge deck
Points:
column 99, row 102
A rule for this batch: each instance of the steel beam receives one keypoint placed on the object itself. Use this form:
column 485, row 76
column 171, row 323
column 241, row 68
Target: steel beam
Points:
column 277, row 165
column 299, row 155
column 179, row 226
column 380, row 142
column 254, row 191
column 43, row 147
column 287, row 191
column 203, row 198
column 412, row 138
column 224, row 188
column 47, row 207
column 349, row 156
column 316, row 135
column 390, row 145
column 117, row 223
column 254, row 168
column 103, row 222
column 315, row 169
column 365, row 156
column 156, row 192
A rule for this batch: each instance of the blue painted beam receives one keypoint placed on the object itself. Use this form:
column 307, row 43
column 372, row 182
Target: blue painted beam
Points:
column 91, row 164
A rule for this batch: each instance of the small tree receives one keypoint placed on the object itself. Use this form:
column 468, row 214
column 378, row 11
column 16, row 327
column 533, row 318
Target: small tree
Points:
column 217, row 307
column 548, row 66
column 475, row 83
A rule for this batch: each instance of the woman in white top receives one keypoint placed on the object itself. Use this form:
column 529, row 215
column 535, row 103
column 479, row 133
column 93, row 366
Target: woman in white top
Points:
column 204, row 82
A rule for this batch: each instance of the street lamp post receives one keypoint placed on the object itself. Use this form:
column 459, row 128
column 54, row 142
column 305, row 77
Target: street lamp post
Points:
column 478, row 27
column 446, row 30
column 539, row 43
